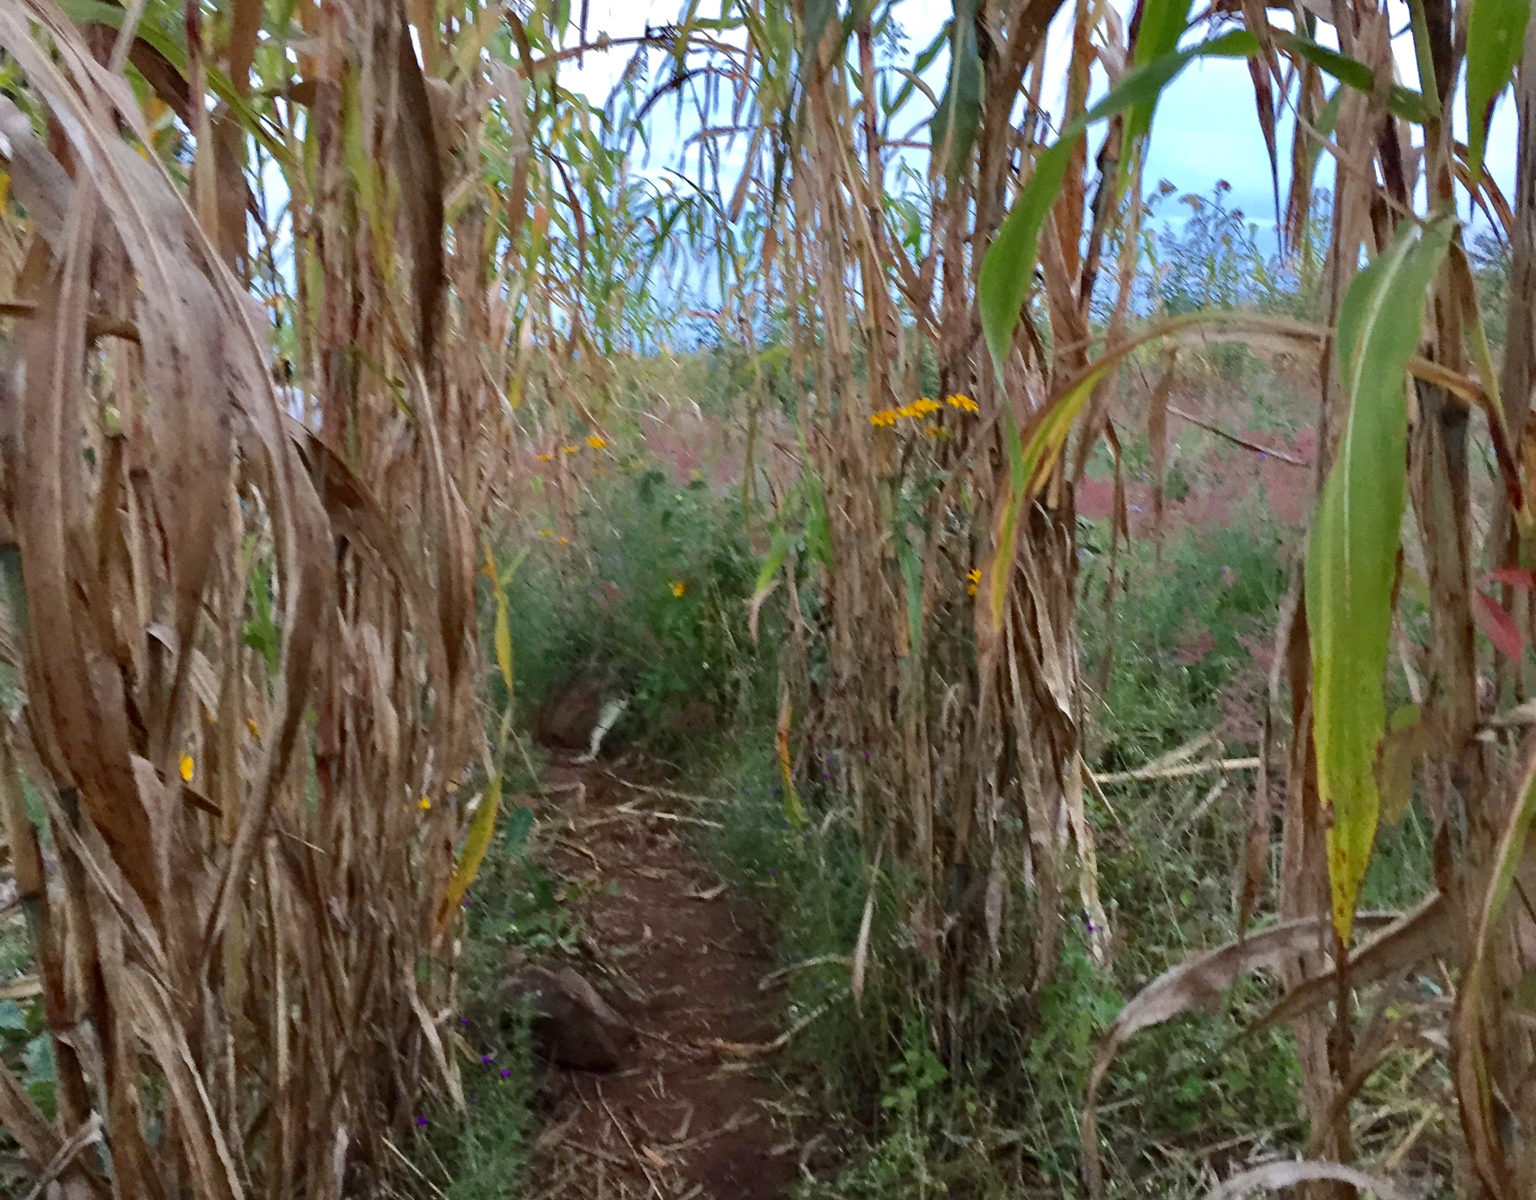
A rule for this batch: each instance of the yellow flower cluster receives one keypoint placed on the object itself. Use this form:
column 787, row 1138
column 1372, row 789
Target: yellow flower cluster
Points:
column 921, row 408
column 972, row 581
column 596, row 440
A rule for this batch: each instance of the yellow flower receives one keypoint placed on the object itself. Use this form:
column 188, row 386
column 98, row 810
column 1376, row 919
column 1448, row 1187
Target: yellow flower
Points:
column 571, row 449
column 255, row 729
column 186, row 768
column 546, row 533
column 550, row 457
column 678, row 587
column 596, row 442
column 424, row 804
column 932, row 431
column 562, row 541
column 963, row 403
column 973, row 581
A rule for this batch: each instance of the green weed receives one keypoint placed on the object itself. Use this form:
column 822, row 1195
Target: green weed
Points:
column 1002, row 1119
column 650, row 596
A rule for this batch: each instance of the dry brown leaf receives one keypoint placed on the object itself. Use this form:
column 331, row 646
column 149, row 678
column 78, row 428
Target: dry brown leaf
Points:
column 1197, row 983
column 1276, row 1175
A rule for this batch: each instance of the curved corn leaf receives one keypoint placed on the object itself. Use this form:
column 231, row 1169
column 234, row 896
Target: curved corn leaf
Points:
column 473, row 854
column 1353, row 548
column 1031, row 455
column 1401, row 101
column 1286, row 1173
column 1495, row 35
column 1009, row 266
column 1008, row 269
column 503, row 634
column 784, row 541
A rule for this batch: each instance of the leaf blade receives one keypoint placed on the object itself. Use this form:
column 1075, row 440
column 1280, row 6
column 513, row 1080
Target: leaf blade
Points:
column 1353, row 548
column 1495, row 36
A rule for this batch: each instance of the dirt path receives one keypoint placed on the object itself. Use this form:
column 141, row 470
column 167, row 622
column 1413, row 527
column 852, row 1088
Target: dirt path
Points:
column 686, row 1116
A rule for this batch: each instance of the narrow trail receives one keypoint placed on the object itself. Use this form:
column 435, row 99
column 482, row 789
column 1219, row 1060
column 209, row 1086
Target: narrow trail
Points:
column 686, row 1115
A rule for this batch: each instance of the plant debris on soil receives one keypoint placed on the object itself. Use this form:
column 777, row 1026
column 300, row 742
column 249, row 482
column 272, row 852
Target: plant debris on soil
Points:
column 687, row 1114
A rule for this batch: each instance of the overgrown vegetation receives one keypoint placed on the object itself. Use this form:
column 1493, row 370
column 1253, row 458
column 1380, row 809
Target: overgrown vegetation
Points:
column 1118, row 826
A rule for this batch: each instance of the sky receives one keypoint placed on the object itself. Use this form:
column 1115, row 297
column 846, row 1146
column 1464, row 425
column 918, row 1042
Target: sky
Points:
column 1205, row 127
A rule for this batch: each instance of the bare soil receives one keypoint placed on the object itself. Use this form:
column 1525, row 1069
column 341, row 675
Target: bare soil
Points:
column 691, row 1113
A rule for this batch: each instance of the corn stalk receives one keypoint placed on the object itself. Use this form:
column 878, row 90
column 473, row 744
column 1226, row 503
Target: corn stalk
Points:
column 931, row 542
column 1405, row 370
column 248, row 642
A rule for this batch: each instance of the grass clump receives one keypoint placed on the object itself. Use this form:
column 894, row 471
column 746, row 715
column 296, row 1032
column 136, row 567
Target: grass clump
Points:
column 1002, row 1117
column 647, row 595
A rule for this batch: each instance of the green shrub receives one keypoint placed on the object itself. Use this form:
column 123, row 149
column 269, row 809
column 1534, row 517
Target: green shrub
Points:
column 1185, row 626
column 650, row 596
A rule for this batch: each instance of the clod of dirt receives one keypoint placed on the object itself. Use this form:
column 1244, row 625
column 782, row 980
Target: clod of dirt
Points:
column 566, row 719
column 572, row 1026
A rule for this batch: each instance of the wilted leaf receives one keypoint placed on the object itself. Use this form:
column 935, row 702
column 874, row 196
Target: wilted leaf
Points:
column 1352, row 554
column 1409, row 735
column 866, row 925
column 473, row 854
column 503, row 631
column 1276, row 1175
column 1499, row 625
column 793, row 811
column 1406, row 942
column 1193, row 984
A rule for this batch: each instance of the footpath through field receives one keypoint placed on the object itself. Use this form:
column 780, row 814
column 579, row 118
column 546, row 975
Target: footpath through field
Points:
column 686, row 1114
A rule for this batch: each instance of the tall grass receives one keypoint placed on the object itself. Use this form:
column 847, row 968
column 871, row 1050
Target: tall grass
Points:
column 248, row 644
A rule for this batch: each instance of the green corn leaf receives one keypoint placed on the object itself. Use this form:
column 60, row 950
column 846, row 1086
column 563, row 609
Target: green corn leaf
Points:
column 1495, row 36
column 1030, row 456
column 1009, row 266
column 959, row 115
column 818, row 15
column 1163, row 22
column 1353, row 548
column 1401, row 102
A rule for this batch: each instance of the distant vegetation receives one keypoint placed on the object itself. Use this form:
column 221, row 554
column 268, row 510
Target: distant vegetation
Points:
column 1105, row 624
